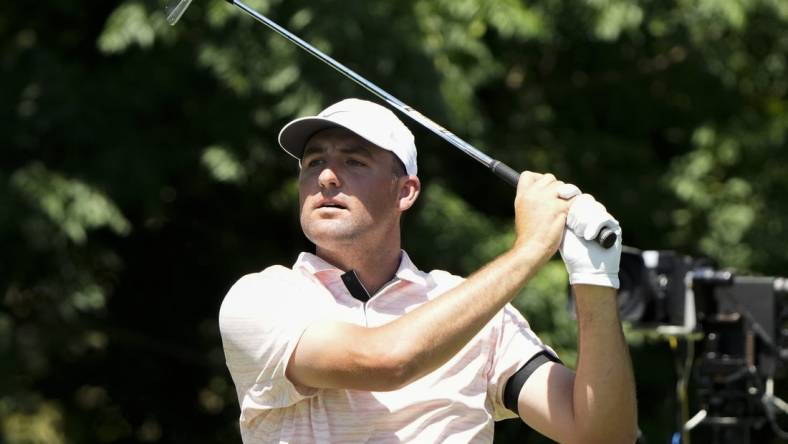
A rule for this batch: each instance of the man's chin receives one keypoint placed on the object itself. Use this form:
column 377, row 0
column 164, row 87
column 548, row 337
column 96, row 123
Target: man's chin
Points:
column 326, row 235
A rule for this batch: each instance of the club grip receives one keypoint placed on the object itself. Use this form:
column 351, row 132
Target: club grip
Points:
column 503, row 171
column 606, row 238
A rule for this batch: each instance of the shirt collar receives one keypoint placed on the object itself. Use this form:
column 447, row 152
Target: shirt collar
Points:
column 407, row 271
column 312, row 264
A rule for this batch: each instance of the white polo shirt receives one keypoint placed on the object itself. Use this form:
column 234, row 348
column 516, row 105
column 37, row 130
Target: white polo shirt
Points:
column 264, row 315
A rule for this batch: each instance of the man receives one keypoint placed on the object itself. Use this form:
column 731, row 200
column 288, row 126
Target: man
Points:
column 356, row 344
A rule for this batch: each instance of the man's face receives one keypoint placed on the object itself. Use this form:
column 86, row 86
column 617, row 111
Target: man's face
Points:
column 348, row 191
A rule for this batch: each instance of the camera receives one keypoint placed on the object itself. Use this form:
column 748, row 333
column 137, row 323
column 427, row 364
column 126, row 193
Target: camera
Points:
column 740, row 323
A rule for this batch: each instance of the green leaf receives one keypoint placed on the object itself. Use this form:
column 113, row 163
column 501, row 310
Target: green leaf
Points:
column 70, row 204
column 128, row 25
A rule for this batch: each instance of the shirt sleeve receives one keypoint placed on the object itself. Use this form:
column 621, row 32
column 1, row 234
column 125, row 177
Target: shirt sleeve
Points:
column 515, row 345
column 261, row 321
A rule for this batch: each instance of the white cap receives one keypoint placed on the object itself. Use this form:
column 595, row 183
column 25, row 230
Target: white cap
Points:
column 368, row 120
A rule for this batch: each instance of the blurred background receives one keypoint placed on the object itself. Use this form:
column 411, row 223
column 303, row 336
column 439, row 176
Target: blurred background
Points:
column 140, row 174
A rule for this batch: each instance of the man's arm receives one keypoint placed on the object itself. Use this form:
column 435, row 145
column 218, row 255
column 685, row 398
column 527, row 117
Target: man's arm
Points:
column 340, row 355
column 596, row 405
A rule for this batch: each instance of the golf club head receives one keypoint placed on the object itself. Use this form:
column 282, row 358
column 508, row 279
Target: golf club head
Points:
column 174, row 9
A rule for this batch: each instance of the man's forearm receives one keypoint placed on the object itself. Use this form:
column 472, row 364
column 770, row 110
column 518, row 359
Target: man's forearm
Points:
column 436, row 331
column 604, row 390
column 339, row 355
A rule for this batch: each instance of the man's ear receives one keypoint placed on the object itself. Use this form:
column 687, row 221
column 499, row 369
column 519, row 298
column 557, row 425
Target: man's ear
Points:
column 409, row 190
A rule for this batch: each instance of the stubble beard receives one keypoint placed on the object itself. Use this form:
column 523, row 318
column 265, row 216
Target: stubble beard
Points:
column 333, row 235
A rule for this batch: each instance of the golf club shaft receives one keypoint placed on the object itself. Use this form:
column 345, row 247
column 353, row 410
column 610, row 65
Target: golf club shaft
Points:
column 501, row 169
column 606, row 236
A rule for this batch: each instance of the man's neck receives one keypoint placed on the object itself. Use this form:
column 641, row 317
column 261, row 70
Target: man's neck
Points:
column 374, row 267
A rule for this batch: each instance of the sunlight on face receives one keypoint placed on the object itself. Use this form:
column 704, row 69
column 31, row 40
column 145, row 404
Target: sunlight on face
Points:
column 347, row 190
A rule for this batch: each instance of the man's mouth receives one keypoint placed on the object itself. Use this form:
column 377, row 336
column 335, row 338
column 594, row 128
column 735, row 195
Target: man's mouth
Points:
column 331, row 204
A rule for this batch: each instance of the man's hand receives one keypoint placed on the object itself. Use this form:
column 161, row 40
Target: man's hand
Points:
column 586, row 261
column 540, row 213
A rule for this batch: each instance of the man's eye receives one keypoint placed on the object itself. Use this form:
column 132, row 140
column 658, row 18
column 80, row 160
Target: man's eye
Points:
column 354, row 162
column 314, row 162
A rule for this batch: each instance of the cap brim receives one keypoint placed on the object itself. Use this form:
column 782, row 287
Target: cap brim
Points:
column 295, row 134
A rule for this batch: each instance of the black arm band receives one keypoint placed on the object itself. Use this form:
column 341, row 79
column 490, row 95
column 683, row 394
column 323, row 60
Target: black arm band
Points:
column 511, row 393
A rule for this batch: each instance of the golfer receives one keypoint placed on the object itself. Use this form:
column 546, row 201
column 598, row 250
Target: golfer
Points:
column 354, row 343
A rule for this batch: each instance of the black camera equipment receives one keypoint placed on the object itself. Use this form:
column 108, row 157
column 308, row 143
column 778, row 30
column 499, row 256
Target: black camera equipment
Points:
column 740, row 323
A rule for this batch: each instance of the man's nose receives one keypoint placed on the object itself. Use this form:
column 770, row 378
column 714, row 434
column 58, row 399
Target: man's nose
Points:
column 329, row 178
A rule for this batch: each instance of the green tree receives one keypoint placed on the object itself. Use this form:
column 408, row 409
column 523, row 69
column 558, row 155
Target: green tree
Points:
column 142, row 177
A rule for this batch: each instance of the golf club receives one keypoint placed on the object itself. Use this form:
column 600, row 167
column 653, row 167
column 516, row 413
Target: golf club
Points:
column 175, row 9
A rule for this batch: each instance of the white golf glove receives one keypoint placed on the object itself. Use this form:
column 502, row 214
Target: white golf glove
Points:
column 586, row 261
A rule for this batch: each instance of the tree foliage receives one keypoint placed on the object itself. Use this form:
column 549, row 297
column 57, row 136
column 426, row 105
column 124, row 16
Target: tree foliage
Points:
column 141, row 174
